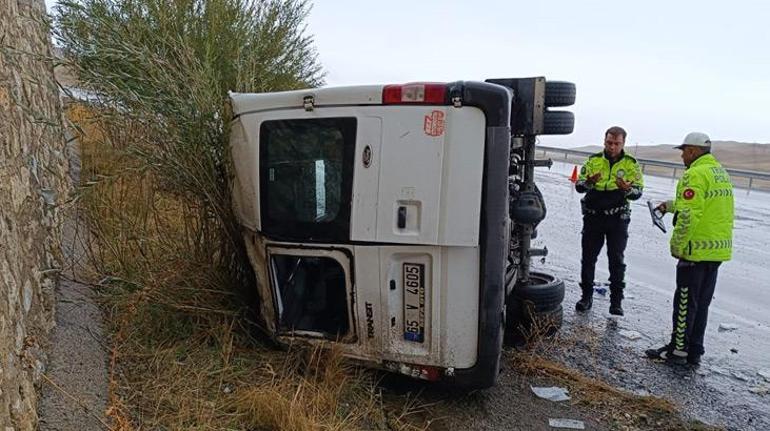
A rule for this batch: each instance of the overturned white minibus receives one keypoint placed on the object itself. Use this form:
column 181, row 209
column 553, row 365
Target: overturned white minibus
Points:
column 395, row 220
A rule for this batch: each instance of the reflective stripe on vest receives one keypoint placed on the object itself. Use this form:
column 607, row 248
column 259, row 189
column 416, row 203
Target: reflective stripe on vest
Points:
column 712, row 244
column 718, row 193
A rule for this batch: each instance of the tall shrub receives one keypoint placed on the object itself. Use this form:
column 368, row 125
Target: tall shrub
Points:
column 166, row 66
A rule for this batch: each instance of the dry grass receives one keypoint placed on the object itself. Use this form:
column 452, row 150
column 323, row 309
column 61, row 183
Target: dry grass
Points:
column 589, row 390
column 184, row 355
column 617, row 407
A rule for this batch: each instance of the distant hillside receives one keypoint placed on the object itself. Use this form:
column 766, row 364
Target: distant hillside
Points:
column 738, row 155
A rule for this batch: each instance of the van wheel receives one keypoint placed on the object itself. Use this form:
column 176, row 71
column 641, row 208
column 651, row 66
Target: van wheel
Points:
column 559, row 93
column 544, row 291
column 558, row 122
column 534, row 309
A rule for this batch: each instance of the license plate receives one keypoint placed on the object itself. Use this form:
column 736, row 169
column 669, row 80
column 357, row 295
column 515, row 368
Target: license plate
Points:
column 414, row 302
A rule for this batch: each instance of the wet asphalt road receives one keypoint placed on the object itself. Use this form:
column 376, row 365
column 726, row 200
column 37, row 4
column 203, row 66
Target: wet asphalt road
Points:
column 722, row 390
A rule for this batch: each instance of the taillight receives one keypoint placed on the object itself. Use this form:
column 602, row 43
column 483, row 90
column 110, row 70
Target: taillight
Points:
column 416, row 92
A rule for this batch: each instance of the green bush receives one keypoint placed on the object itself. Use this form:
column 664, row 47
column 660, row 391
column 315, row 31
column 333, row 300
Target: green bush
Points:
column 167, row 65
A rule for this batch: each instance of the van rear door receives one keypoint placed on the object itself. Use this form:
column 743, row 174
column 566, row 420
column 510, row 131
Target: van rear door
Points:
column 416, row 200
column 385, row 199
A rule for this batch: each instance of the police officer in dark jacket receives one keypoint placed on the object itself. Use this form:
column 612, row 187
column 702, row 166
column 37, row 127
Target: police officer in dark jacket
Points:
column 610, row 180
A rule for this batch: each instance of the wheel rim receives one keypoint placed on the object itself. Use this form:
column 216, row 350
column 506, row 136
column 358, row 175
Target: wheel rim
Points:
column 540, row 279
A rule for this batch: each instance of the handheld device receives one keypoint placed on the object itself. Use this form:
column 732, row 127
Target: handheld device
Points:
column 657, row 216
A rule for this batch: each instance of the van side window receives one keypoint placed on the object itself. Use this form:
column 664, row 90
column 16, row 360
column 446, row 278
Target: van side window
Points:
column 306, row 177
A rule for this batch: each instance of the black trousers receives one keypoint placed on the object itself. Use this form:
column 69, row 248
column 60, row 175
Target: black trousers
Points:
column 598, row 228
column 695, row 283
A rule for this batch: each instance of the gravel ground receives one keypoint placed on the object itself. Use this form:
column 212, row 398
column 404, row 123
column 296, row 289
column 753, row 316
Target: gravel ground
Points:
column 77, row 365
column 509, row 405
column 74, row 395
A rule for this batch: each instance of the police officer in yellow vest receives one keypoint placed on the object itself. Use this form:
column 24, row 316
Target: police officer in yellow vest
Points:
column 701, row 241
column 610, row 180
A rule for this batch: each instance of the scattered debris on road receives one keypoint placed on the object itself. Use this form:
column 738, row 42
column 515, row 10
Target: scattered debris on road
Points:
column 572, row 424
column 630, row 335
column 552, row 393
column 740, row 376
column 719, row 370
column 765, row 374
column 728, row 327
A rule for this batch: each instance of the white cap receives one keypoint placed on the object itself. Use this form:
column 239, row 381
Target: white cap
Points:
column 695, row 139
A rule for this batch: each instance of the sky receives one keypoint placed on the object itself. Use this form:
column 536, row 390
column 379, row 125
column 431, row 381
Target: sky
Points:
column 660, row 69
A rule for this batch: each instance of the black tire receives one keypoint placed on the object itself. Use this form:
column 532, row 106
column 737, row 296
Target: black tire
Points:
column 558, row 122
column 544, row 291
column 559, row 93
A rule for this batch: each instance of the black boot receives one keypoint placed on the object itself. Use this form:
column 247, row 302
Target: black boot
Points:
column 693, row 359
column 666, row 354
column 586, row 299
column 616, row 298
column 615, row 307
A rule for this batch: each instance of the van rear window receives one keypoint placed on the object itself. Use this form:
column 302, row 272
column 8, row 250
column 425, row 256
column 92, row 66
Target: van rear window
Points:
column 306, row 178
column 312, row 295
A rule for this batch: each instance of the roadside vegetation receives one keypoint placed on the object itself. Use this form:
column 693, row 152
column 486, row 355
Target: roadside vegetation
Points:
column 164, row 249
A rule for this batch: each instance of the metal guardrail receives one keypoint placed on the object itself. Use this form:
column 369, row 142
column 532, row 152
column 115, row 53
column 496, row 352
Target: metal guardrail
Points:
column 742, row 173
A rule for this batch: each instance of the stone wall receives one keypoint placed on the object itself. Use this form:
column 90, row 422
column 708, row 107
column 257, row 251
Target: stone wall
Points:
column 33, row 189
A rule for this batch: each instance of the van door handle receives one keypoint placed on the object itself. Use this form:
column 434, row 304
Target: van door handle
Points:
column 401, row 222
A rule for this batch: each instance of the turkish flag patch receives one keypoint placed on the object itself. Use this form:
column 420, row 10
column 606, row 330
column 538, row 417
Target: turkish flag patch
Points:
column 688, row 194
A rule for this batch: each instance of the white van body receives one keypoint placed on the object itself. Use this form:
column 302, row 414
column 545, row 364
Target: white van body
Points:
column 369, row 224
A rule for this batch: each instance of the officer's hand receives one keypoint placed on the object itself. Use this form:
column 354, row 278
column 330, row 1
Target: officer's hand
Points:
column 623, row 184
column 593, row 179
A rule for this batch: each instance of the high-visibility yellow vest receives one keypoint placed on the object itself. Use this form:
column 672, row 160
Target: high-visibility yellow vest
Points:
column 626, row 168
column 704, row 208
column 604, row 197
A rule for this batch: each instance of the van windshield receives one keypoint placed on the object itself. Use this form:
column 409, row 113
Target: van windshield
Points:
column 306, row 170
